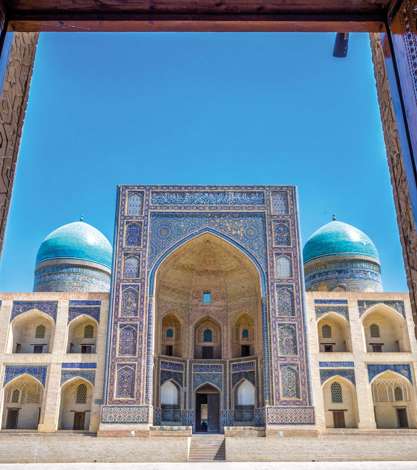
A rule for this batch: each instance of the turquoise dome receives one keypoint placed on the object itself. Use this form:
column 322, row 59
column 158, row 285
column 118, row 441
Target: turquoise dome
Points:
column 339, row 239
column 78, row 241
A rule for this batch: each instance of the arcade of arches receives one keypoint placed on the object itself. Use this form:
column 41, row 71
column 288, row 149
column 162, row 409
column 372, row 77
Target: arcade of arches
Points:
column 208, row 316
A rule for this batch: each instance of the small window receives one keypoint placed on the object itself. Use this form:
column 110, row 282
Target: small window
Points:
column 245, row 350
column 376, row 347
column 336, row 392
column 169, row 333
column 81, row 395
column 38, row 348
column 328, row 347
column 374, row 331
column 89, row 331
column 87, row 349
column 18, row 348
column 169, row 350
column 398, row 394
column 207, row 352
column 326, row 331
column 15, row 396
column 245, row 333
column 206, row 297
column 207, row 336
column 40, row 331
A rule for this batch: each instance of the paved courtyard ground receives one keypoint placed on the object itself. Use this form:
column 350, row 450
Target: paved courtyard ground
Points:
column 220, row 466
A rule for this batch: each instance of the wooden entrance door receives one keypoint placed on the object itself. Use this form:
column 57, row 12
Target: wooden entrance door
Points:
column 339, row 419
column 207, row 409
column 12, row 418
column 402, row 418
column 79, row 421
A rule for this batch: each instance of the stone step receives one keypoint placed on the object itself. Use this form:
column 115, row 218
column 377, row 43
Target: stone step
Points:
column 206, row 449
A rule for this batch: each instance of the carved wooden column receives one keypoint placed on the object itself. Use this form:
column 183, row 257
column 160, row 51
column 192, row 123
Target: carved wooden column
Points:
column 13, row 98
column 395, row 66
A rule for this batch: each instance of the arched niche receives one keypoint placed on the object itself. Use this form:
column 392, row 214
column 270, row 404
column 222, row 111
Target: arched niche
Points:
column 394, row 401
column 207, row 277
column 75, row 406
column 82, row 335
column 207, row 339
column 171, row 336
column 385, row 330
column 244, row 402
column 31, row 332
column 170, row 401
column 340, row 403
column 243, row 336
column 333, row 333
column 22, row 403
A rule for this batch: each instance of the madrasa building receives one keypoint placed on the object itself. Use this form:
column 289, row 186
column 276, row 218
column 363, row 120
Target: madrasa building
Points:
column 206, row 317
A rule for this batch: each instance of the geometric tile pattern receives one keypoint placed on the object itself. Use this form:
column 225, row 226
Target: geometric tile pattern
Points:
column 348, row 374
column 403, row 369
column 39, row 372
column 22, row 306
column 397, row 305
column 84, row 307
column 89, row 375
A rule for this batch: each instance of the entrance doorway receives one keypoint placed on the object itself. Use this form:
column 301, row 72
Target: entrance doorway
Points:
column 12, row 418
column 79, row 421
column 339, row 419
column 402, row 418
column 207, row 409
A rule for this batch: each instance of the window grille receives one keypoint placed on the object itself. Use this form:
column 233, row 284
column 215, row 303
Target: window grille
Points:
column 89, row 331
column 81, row 395
column 40, row 331
column 336, row 392
column 326, row 331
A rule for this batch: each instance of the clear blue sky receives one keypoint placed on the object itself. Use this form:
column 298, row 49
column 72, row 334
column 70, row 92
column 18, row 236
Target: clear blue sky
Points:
column 107, row 109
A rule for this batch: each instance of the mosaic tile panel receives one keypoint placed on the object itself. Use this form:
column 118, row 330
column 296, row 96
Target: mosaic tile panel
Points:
column 287, row 339
column 323, row 309
column 39, row 372
column 289, row 415
column 23, row 306
column 126, row 376
column 403, row 369
column 128, row 337
column 89, row 375
column 207, row 198
column 84, row 307
column 126, row 414
column 397, row 305
column 337, row 364
column 348, row 374
column 281, row 234
column 279, row 203
column 79, row 365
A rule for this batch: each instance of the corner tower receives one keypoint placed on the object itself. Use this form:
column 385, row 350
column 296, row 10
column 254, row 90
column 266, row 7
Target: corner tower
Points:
column 340, row 257
column 74, row 258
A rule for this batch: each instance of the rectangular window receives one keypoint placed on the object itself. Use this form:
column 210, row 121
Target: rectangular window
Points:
column 38, row 348
column 206, row 297
column 328, row 347
column 18, row 348
column 207, row 352
column 169, row 350
column 245, row 350
column 87, row 349
column 376, row 347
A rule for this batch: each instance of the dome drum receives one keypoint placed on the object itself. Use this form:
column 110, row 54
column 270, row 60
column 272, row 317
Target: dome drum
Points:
column 339, row 256
column 74, row 258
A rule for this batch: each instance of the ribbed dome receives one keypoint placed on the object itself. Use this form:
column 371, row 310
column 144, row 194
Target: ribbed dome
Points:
column 339, row 239
column 78, row 241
